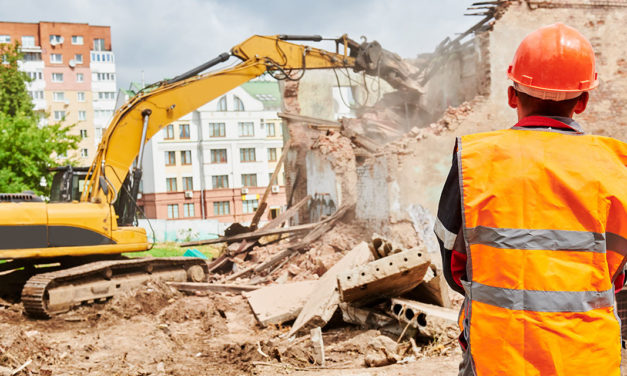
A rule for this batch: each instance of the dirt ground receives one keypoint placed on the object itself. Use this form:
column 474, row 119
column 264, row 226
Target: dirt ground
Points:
column 154, row 330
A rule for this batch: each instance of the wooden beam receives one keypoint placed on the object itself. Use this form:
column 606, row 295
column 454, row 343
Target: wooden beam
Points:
column 250, row 235
column 214, row 287
column 309, row 119
column 262, row 204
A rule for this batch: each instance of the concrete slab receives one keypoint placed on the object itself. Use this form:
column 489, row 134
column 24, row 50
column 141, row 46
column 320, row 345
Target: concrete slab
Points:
column 432, row 290
column 276, row 304
column 324, row 300
column 389, row 276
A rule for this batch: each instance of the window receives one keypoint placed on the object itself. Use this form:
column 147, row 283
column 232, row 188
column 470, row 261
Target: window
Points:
column 246, row 129
column 28, row 41
column 221, row 208
column 169, row 132
column 271, row 154
column 5, row 38
column 56, row 58
column 170, row 158
column 173, row 211
column 83, row 133
column 80, row 96
column 58, row 96
column 186, row 157
column 188, row 210
column 57, row 77
column 106, row 95
column 218, row 155
column 32, row 56
column 273, row 182
column 270, row 130
column 188, row 183
column 55, row 39
column 78, row 58
column 249, row 206
column 82, row 115
column 84, row 153
column 170, row 184
column 99, row 45
column 36, row 94
column 216, row 130
column 247, row 155
column 103, row 114
column 222, row 104
column 35, row 75
column 79, row 77
column 99, row 133
column 184, row 131
column 239, row 105
column 59, row 115
column 220, row 181
column 249, row 180
column 77, row 39
column 103, row 76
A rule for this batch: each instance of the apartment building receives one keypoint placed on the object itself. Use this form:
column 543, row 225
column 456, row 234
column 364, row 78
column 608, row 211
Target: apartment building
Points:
column 217, row 161
column 72, row 68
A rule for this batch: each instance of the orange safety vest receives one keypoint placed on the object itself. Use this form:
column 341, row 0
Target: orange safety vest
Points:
column 545, row 228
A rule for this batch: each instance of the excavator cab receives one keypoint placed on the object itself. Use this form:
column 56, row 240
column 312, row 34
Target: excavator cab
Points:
column 67, row 183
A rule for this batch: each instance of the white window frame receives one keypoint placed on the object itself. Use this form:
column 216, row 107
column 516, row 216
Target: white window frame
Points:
column 82, row 115
column 58, row 96
column 78, row 58
column 84, row 153
column 77, row 40
column 53, row 59
column 80, row 77
column 59, row 115
column 29, row 38
column 5, row 38
column 59, row 77
column 80, row 96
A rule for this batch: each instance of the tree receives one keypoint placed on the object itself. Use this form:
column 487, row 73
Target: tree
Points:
column 26, row 150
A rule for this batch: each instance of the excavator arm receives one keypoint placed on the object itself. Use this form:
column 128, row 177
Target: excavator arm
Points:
column 145, row 114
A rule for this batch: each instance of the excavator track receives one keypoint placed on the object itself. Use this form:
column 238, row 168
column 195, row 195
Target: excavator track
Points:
column 47, row 294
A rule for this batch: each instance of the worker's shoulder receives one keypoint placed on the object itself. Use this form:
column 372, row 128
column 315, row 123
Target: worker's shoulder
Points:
column 490, row 135
column 615, row 147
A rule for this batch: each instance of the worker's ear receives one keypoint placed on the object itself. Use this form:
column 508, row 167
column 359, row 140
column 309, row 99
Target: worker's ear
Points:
column 582, row 103
column 512, row 98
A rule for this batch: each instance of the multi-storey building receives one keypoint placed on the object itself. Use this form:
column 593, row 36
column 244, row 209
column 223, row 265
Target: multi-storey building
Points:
column 217, row 161
column 73, row 76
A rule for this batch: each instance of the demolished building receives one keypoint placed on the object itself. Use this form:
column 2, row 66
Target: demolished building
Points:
column 392, row 159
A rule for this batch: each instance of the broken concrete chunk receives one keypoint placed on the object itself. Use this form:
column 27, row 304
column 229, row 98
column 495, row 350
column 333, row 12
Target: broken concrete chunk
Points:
column 381, row 351
column 276, row 304
column 427, row 318
column 432, row 290
column 389, row 276
column 324, row 300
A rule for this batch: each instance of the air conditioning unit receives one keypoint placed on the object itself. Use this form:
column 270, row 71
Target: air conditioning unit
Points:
column 244, row 191
column 72, row 63
column 189, row 194
column 275, row 189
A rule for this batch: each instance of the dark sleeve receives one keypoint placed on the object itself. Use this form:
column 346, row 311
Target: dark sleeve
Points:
column 449, row 223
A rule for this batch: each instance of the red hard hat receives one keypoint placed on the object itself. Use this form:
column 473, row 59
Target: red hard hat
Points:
column 554, row 58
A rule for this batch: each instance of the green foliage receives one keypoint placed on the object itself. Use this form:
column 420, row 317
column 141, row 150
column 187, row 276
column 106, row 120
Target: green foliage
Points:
column 172, row 250
column 26, row 150
column 14, row 98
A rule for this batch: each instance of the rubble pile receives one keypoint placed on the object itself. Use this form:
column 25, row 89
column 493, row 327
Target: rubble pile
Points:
column 344, row 277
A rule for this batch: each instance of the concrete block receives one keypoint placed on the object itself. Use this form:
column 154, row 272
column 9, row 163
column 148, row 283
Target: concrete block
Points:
column 389, row 276
column 276, row 304
column 427, row 318
column 325, row 298
column 432, row 290
column 318, row 345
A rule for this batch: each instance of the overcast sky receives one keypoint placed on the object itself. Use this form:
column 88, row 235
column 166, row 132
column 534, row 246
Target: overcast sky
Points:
column 164, row 38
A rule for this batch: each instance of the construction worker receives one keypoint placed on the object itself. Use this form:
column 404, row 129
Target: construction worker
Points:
column 532, row 224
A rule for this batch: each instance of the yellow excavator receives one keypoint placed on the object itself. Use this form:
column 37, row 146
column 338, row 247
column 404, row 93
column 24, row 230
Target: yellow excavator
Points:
column 89, row 222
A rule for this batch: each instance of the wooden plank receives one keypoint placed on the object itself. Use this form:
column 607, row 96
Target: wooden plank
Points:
column 309, row 119
column 386, row 277
column 214, row 287
column 262, row 203
column 251, row 235
column 325, row 299
column 276, row 304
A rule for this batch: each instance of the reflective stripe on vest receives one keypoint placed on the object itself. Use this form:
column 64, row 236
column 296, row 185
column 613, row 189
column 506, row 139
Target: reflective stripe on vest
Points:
column 541, row 255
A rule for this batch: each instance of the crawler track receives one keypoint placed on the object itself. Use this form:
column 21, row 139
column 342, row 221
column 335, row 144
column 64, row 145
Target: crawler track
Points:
column 47, row 294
